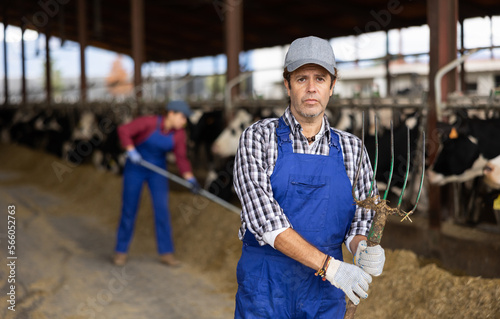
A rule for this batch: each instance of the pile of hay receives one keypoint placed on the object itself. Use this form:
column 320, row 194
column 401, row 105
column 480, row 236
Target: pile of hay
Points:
column 206, row 238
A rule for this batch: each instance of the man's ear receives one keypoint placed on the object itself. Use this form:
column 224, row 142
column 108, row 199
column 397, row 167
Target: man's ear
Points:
column 287, row 86
column 333, row 86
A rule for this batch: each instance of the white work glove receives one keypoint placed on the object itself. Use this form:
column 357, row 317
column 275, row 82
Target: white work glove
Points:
column 370, row 259
column 351, row 279
column 135, row 157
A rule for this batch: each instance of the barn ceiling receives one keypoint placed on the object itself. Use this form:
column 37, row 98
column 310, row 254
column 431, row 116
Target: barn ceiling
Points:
column 180, row 29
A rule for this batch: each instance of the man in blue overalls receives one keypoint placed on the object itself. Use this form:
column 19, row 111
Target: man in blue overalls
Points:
column 150, row 138
column 294, row 176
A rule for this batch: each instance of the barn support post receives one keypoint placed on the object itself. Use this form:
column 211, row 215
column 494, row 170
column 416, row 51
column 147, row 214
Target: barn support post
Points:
column 215, row 83
column 190, row 87
column 233, row 28
column 492, row 41
column 138, row 45
column 82, row 39
column 442, row 17
column 5, row 64
column 23, row 65
column 387, row 64
column 463, row 85
column 48, row 83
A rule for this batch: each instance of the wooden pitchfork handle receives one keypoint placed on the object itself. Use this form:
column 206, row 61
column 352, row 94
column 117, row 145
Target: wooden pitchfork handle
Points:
column 374, row 237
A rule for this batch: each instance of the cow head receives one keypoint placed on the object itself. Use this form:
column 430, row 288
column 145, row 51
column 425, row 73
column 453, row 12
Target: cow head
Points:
column 226, row 143
column 492, row 173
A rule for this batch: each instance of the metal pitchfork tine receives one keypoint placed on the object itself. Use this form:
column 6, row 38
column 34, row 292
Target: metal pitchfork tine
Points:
column 382, row 210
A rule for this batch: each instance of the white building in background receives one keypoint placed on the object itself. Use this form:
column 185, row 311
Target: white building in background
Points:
column 410, row 79
column 482, row 76
column 407, row 79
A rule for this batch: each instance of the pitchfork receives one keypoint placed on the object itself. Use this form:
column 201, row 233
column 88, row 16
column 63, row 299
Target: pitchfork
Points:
column 380, row 206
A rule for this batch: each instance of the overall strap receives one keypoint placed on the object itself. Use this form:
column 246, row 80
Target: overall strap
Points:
column 159, row 127
column 334, row 142
column 283, row 134
column 158, row 123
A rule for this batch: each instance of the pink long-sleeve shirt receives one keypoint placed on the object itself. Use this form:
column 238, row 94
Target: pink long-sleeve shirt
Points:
column 140, row 129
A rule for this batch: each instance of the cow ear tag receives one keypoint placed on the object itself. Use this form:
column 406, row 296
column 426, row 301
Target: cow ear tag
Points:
column 496, row 203
column 453, row 134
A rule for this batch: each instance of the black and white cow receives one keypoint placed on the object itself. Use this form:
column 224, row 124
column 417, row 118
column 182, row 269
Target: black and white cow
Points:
column 491, row 173
column 204, row 128
column 6, row 119
column 84, row 139
column 220, row 179
column 346, row 119
column 22, row 128
column 406, row 123
column 54, row 127
column 67, row 132
column 468, row 156
column 43, row 129
column 226, row 143
column 466, row 148
column 109, row 154
column 95, row 141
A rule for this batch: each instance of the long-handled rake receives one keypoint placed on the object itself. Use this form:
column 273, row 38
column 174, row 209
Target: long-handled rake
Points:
column 183, row 182
column 380, row 206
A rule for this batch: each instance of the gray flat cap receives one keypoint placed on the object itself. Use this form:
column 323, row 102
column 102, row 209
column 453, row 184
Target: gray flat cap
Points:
column 310, row 50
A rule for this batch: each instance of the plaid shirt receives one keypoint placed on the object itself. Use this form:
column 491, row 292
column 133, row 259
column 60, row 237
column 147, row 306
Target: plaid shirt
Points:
column 255, row 161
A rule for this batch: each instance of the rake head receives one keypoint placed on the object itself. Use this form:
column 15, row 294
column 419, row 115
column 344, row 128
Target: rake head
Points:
column 374, row 202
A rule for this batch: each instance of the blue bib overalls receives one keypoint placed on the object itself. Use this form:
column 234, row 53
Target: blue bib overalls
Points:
column 315, row 194
column 153, row 150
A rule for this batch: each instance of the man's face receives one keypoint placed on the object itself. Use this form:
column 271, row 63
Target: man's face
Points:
column 309, row 91
column 175, row 120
